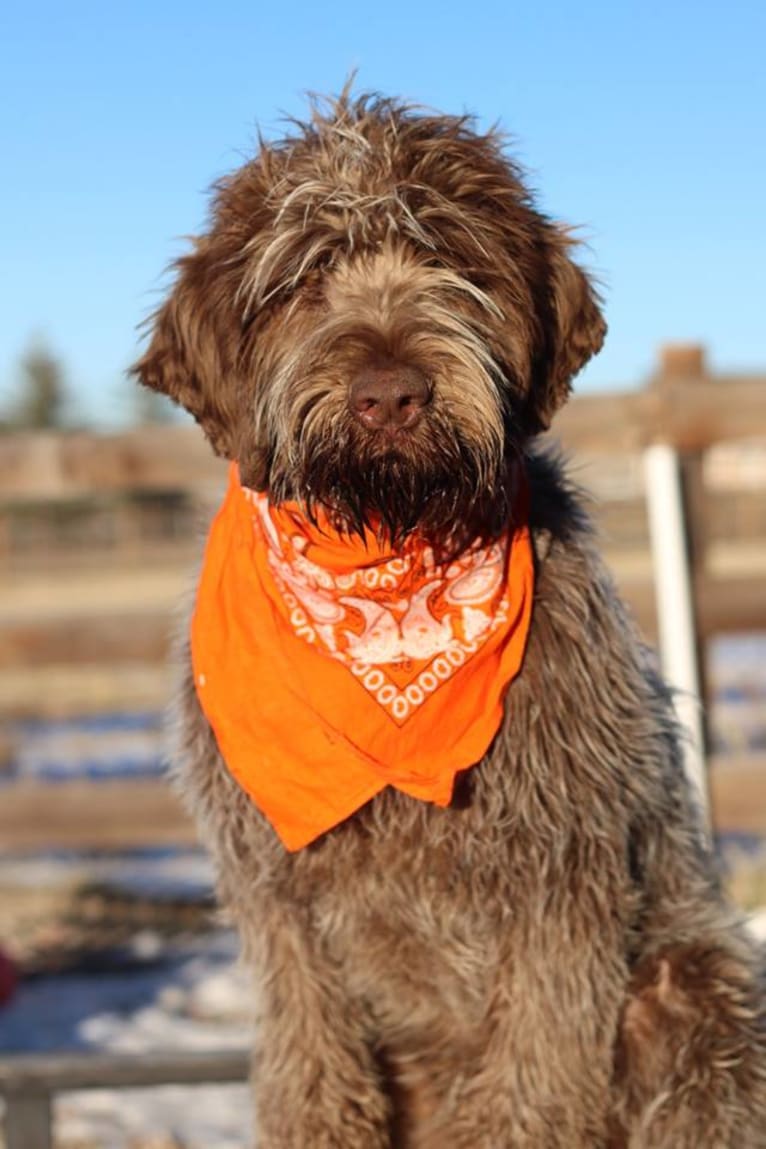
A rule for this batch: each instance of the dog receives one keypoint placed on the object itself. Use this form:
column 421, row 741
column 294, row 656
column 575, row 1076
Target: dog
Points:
column 473, row 885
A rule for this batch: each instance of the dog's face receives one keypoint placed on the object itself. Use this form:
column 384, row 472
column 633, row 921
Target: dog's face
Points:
column 376, row 320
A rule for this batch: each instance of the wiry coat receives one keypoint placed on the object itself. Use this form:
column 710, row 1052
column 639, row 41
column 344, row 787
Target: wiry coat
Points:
column 548, row 963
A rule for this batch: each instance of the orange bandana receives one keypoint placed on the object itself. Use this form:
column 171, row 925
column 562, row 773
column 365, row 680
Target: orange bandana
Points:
column 329, row 668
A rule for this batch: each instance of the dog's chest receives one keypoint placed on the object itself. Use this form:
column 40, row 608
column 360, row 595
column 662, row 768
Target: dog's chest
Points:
column 410, row 945
column 420, row 916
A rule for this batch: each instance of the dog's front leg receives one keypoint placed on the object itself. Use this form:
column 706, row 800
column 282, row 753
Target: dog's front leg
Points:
column 315, row 1079
column 538, row 1076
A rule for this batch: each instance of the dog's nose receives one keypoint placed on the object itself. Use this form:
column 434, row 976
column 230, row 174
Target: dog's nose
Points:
column 389, row 398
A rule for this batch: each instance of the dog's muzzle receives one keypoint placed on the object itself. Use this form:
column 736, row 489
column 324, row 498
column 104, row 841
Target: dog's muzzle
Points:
column 389, row 398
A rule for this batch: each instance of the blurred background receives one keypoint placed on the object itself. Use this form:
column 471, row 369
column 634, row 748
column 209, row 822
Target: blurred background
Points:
column 642, row 124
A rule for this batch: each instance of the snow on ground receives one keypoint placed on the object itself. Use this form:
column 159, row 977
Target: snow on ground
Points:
column 201, row 1001
column 196, row 999
column 193, row 1117
column 757, row 924
column 187, row 996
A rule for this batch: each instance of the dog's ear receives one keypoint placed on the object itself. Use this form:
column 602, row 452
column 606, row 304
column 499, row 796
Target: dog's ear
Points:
column 572, row 325
column 195, row 357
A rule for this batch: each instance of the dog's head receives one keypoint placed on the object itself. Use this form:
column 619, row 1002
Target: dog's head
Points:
column 375, row 321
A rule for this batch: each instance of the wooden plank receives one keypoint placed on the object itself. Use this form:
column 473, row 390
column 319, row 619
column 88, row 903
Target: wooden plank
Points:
column 738, row 794
column 130, row 589
column 76, row 814
column 26, row 1073
column 61, row 465
column 691, row 414
column 731, row 605
column 146, row 812
column 64, row 688
column 131, row 636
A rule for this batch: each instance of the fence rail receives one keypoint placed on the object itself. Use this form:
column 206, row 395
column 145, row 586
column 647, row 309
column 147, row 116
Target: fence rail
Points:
column 144, row 812
column 29, row 1083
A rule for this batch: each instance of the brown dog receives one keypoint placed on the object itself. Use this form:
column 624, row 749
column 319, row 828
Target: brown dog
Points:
column 375, row 326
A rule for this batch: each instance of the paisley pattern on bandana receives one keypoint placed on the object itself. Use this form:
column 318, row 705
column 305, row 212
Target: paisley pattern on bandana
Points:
column 402, row 626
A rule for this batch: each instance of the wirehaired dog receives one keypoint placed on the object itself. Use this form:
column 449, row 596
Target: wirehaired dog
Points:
column 524, row 944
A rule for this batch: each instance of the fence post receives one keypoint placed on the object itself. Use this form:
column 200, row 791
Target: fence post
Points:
column 672, row 541
column 28, row 1117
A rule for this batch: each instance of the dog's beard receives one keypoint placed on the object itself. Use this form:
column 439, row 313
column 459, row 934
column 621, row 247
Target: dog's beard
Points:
column 427, row 481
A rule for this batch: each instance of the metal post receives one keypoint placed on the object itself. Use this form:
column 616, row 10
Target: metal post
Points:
column 675, row 603
column 28, row 1116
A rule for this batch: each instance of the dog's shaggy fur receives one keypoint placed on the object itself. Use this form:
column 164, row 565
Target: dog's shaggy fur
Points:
column 548, row 963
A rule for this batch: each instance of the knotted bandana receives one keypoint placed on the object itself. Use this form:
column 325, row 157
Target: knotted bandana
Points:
column 330, row 667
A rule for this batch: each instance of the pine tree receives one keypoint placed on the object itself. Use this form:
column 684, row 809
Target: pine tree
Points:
column 42, row 401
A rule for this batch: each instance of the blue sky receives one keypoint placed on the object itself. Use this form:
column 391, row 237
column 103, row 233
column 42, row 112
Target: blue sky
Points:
column 642, row 122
